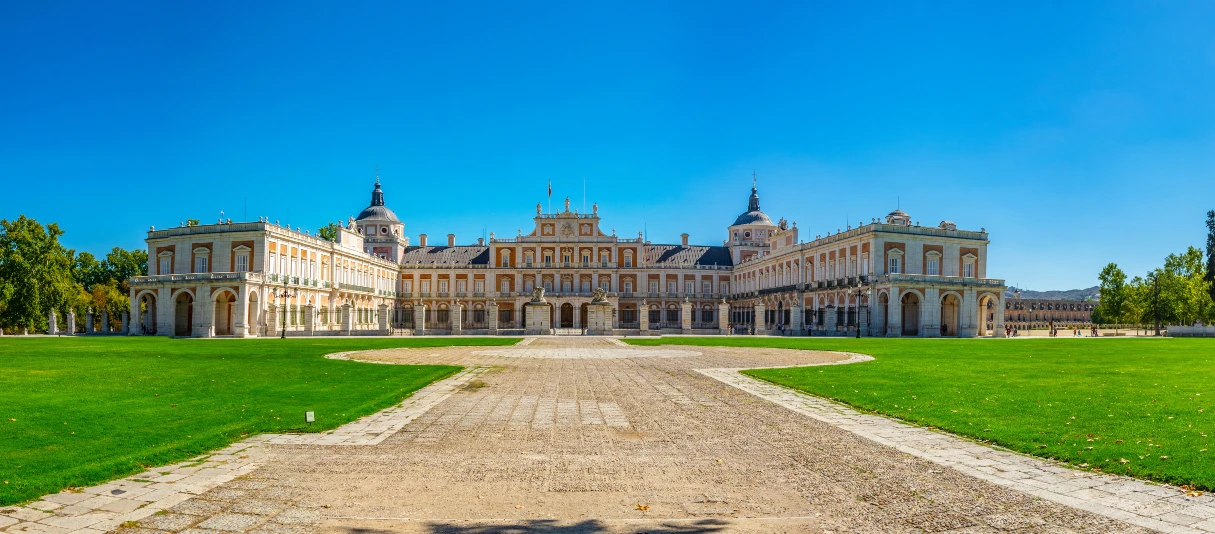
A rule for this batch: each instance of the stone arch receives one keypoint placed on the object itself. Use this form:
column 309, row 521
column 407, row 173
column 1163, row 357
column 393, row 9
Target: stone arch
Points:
column 183, row 312
column 223, row 311
column 146, row 322
column 951, row 316
column 911, row 302
column 253, row 310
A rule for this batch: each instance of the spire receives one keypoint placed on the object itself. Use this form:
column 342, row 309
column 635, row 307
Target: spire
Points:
column 377, row 196
column 753, row 202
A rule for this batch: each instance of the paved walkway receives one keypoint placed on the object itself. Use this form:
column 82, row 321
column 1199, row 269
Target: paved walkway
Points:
column 587, row 435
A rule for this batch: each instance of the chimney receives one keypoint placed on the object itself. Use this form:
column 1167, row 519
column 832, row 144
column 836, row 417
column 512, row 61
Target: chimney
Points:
column 480, row 241
column 421, row 240
column 451, row 240
column 683, row 239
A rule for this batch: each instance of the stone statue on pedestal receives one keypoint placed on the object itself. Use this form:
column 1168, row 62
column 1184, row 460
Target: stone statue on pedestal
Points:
column 538, row 295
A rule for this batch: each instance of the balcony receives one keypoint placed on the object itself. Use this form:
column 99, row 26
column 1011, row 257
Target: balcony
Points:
column 352, row 287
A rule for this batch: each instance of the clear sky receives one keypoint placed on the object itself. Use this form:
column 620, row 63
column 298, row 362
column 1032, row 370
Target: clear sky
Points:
column 1076, row 133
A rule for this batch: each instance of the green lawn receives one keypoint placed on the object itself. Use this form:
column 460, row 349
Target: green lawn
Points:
column 75, row 412
column 1141, row 407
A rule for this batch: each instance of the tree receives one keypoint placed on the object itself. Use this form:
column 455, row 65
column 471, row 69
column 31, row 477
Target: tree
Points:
column 1210, row 276
column 1113, row 293
column 35, row 272
column 191, row 222
column 329, row 232
column 1184, row 290
column 122, row 265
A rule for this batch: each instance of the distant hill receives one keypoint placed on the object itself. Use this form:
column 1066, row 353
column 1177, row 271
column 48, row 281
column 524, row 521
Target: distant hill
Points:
column 1093, row 293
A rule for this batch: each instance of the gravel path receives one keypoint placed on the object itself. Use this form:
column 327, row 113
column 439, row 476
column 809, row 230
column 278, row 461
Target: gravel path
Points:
column 586, row 435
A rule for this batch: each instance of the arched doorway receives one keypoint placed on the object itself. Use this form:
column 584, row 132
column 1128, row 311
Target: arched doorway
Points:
column 567, row 315
column 183, row 314
column 911, row 314
column 989, row 308
column 147, row 314
column 582, row 310
column 225, row 306
column 950, row 316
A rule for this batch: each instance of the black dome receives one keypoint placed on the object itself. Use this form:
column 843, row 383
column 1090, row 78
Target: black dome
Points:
column 753, row 215
column 377, row 210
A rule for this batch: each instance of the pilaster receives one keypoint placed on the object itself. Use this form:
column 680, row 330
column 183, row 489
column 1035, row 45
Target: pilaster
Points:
column 761, row 318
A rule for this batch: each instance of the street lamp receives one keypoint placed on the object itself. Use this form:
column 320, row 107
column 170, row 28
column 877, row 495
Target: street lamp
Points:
column 859, row 290
column 285, row 294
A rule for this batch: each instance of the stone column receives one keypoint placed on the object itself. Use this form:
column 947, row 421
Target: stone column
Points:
column 70, row 323
column 998, row 320
column 165, row 308
column 685, row 316
column 643, row 317
column 894, row 318
column 105, row 321
column 538, row 318
column 52, row 324
column 830, row 320
column 419, row 319
column 723, row 317
column 383, row 319
column 240, row 324
column 760, row 318
column 968, row 313
column 88, row 322
column 347, row 320
column 309, row 320
column 492, row 319
column 136, row 317
column 457, row 318
column 126, row 322
column 797, row 319
column 202, row 312
column 930, row 313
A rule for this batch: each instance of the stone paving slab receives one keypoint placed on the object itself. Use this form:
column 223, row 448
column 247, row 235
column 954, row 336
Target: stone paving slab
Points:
column 1133, row 501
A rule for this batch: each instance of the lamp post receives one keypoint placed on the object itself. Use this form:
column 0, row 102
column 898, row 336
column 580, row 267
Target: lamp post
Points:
column 285, row 294
column 859, row 291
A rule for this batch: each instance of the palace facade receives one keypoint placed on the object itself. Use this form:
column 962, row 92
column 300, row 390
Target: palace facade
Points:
column 884, row 278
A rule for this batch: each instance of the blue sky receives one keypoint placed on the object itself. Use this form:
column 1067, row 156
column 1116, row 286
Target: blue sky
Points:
column 1076, row 133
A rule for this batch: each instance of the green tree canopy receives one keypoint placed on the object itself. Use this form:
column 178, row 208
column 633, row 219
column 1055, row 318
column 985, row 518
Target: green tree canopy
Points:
column 1113, row 294
column 35, row 272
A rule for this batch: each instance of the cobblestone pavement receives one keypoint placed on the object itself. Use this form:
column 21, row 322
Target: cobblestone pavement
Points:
column 586, row 435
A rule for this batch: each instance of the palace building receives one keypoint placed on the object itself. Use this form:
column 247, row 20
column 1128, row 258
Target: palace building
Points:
column 252, row 279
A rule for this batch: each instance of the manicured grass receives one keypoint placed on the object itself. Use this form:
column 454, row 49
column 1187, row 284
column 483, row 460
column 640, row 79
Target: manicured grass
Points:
column 1140, row 407
column 76, row 412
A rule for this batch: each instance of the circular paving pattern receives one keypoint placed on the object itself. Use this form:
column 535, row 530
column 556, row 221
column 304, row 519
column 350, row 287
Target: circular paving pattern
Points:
column 585, row 354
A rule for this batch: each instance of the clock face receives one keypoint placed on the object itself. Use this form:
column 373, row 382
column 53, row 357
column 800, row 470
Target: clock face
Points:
column 747, row 233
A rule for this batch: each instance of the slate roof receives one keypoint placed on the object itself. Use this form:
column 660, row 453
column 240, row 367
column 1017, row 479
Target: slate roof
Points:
column 689, row 255
column 461, row 255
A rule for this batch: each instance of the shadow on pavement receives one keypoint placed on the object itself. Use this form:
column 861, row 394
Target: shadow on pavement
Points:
column 585, row 527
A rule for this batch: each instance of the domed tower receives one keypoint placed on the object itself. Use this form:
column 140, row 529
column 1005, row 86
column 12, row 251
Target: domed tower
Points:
column 747, row 237
column 383, row 233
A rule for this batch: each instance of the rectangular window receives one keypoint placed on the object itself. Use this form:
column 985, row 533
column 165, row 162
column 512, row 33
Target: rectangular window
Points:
column 968, row 269
column 407, row 287
column 934, row 268
column 689, row 287
column 242, row 263
column 603, row 261
column 200, row 264
column 628, row 316
column 528, row 285
column 165, row 267
column 672, row 316
column 605, row 285
column 706, row 288
column 273, row 262
column 628, row 287
column 671, row 287
column 548, row 261
column 586, row 286
column 586, row 261
column 548, row 286
column 865, row 265
column 628, row 261
column 479, row 286
column 442, row 286
column 426, row 286
column 894, row 266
